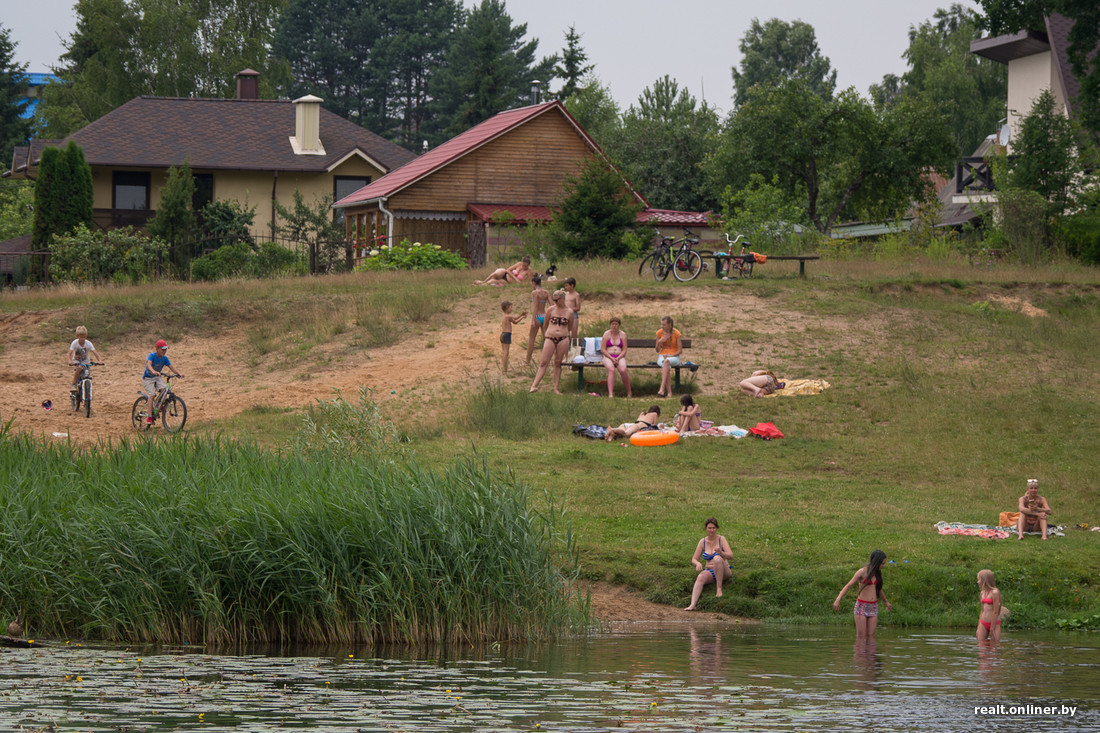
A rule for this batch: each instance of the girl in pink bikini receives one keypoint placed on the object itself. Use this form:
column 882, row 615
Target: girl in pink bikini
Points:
column 869, row 580
column 989, row 622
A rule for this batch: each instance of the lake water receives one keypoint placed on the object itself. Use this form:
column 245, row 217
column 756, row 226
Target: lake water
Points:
column 656, row 679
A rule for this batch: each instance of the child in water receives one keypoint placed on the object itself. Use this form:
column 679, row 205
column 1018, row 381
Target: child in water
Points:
column 869, row 580
column 989, row 621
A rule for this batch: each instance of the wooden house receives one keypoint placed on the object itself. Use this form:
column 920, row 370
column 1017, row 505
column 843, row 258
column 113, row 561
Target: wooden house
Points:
column 515, row 161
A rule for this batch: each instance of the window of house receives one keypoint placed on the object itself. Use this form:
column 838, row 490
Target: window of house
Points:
column 131, row 190
column 204, row 191
column 341, row 187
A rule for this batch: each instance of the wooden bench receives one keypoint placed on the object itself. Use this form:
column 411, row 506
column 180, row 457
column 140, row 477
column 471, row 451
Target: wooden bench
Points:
column 635, row 348
column 719, row 265
column 801, row 261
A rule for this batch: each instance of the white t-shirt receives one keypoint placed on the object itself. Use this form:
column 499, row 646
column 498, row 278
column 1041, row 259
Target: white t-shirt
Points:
column 81, row 353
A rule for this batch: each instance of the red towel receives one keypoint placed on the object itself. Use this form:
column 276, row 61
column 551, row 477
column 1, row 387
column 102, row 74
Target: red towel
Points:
column 766, row 430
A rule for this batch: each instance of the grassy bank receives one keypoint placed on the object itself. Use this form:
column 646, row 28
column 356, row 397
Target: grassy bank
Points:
column 217, row 542
column 947, row 395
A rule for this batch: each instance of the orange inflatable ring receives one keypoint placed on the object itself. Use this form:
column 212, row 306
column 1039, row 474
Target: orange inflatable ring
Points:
column 654, row 437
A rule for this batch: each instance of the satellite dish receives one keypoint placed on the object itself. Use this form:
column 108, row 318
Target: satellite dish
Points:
column 1003, row 134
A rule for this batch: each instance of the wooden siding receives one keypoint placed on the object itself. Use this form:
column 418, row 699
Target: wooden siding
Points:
column 525, row 166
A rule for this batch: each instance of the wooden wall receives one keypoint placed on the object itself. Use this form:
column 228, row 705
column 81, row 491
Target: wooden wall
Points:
column 525, row 166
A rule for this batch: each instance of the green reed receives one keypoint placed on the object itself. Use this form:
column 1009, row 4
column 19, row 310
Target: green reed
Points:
column 218, row 542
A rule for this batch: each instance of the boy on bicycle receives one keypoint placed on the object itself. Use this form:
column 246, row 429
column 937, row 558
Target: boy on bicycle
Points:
column 151, row 381
column 81, row 353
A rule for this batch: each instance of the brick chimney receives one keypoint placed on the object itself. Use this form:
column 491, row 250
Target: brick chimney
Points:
column 307, row 126
column 248, row 84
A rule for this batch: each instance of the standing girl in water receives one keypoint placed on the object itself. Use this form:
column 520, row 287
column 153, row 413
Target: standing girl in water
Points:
column 869, row 580
column 989, row 622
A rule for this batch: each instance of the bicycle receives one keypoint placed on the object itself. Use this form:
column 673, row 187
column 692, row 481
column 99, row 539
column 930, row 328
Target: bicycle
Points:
column 741, row 263
column 688, row 263
column 658, row 253
column 167, row 405
column 82, row 394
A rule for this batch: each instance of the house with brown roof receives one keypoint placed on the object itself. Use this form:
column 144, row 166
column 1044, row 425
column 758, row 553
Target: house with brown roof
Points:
column 510, row 167
column 254, row 151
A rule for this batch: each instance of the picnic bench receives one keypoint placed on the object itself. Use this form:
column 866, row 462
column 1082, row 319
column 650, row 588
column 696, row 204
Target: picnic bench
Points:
column 637, row 349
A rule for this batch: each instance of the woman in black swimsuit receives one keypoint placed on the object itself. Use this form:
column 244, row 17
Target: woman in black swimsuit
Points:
column 647, row 420
column 555, row 344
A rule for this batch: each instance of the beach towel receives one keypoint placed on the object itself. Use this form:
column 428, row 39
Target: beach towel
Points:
column 1008, row 519
column 797, row 387
column 766, row 430
column 591, row 350
column 990, row 532
column 716, row 431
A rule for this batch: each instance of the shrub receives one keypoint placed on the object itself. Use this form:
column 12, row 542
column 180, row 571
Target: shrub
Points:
column 414, row 256
column 117, row 255
column 245, row 260
column 227, row 222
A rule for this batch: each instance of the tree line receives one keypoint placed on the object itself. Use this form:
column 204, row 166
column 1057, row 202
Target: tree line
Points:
column 421, row 71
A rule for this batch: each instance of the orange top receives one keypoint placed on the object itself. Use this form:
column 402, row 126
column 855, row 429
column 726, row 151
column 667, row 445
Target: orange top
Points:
column 672, row 346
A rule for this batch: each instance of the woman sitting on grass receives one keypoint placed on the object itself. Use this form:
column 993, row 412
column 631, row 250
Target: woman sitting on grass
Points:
column 762, row 382
column 647, row 420
column 687, row 419
column 869, row 579
column 714, row 549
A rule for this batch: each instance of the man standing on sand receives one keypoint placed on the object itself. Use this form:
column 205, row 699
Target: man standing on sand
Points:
column 1034, row 511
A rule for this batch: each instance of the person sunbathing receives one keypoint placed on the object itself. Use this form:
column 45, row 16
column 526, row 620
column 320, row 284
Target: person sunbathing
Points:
column 1034, row 511
column 762, row 382
column 647, row 420
column 516, row 273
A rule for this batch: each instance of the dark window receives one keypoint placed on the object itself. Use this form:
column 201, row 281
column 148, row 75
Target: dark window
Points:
column 131, row 190
column 343, row 186
column 204, row 191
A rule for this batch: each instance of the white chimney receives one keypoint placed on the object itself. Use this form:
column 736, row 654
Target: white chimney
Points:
column 307, row 126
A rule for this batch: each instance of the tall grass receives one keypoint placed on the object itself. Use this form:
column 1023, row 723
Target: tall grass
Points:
column 210, row 541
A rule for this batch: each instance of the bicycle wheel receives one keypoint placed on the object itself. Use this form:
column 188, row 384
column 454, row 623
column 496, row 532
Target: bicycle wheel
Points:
column 647, row 261
column 174, row 414
column 138, row 414
column 86, row 388
column 746, row 268
column 688, row 265
column 74, row 398
column 661, row 267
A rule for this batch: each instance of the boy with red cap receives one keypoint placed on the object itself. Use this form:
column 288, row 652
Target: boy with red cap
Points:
column 151, row 381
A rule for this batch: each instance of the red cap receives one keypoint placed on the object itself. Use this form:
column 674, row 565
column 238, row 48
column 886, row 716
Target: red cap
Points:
column 162, row 344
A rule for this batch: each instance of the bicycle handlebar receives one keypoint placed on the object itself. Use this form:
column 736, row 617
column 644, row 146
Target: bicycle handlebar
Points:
column 90, row 363
column 735, row 241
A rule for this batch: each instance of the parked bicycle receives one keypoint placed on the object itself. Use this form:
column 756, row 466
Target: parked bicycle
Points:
column 684, row 263
column 82, row 393
column 729, row 263
column 168, row 407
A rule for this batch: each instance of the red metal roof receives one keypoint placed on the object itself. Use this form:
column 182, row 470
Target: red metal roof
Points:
column 521, row 214
column 670, row 217
column 456, row 148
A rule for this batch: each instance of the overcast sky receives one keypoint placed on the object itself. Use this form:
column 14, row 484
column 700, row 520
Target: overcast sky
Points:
column 631, row 42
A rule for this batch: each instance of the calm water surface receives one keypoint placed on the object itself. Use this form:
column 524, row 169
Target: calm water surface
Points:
column 670, row 679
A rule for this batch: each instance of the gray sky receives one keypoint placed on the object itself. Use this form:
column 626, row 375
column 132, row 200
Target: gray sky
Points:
column 631, row 42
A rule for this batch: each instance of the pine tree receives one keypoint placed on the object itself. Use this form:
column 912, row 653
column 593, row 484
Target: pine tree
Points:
column 47, row 209
column 572, row 67
column 79, row 194
column 14, row 130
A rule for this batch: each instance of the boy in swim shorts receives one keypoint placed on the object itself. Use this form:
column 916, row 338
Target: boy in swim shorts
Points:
column 506, row 331
column 573, row 301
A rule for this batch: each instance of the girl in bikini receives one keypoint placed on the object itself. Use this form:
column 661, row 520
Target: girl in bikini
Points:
column 613, row 347
column 869, row 580
column 555, row 345
column 989, row 622
column 688, row 418
column 647, row 420
column 713, row 549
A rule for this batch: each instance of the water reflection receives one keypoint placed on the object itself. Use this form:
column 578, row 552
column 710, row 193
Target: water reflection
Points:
column 681, row 679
